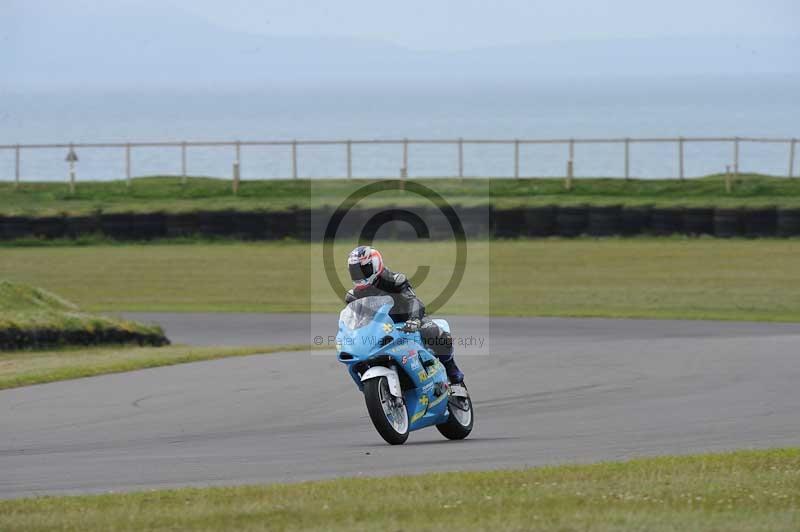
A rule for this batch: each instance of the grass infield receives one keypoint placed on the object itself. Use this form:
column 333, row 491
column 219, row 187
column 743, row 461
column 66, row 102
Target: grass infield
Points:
column 740, row 491
column 643, row 278
column 35, row 318
column 167, row 194
column 24, row 368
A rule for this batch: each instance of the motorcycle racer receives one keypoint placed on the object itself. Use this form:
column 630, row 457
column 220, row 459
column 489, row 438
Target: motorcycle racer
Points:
column 370, row 277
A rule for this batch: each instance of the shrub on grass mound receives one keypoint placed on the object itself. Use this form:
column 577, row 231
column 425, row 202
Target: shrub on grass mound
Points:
column 34, row 318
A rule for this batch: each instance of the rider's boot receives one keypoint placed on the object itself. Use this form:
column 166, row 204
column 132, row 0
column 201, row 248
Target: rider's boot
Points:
column 455, row 375
column 441, row 343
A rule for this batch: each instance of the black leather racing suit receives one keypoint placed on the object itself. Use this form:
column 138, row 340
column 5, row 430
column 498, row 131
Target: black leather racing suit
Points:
column 407, row 306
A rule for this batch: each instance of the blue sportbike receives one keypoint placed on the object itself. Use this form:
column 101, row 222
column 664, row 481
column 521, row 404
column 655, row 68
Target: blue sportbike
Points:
column 404, row 385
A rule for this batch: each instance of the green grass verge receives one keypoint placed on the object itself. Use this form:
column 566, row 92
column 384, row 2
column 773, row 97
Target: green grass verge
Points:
column 32, row 317
column 647, row 277
column 159, row 193
column 39, row 367
column 740, row 491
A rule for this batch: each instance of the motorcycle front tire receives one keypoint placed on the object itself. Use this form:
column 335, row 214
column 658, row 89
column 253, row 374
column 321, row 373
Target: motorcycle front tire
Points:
column 375, row 393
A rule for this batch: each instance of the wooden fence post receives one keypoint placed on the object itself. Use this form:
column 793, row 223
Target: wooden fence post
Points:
column 72, row 158
column 461, row 158
column 16, row 166
column 736, row 157
column 71, row 177
column 183, row 163
column 516, row 159
column 568, row 180
column 237, row 167
column 404, row 169
column 570, row 165
column 128, row 165
column 680, row 158
column 791, row 157
column 627, row 159
column 294, row 159
column 728, row 186
column 349, row 159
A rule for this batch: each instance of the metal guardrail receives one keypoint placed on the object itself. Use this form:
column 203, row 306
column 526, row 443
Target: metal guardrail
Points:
column 348, row 144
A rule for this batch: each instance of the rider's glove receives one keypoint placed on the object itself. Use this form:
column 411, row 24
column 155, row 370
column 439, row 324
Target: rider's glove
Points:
column 412, row 325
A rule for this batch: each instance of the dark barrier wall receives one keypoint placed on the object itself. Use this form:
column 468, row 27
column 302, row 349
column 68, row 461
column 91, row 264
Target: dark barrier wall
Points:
column 728, row 223
column 540, row 221
column 478, row 222
column 667, row 221
column 760, row 222
column 635, row 220
column 698, row 221
column 604, row 221
column 788, row 222
column 13, row 338
column 509, row 223
column 571, row 221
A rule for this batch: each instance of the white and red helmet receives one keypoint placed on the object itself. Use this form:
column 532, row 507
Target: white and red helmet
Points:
column 365, row 265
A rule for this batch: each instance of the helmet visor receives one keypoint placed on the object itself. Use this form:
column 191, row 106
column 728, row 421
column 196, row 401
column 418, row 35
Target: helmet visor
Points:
column 359, row 272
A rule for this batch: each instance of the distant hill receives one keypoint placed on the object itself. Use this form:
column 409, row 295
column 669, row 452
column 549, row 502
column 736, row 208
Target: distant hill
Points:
column 164, row 46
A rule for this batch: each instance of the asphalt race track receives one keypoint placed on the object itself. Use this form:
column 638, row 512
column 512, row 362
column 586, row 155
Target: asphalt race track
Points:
column 551, row 391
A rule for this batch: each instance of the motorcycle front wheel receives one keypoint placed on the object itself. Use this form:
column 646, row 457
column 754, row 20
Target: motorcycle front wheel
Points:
column 388, row 413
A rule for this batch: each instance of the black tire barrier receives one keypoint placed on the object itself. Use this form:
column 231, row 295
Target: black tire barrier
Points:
column 759, row 223
column 281, row 225
column 438, row 225
column 698, row 221
column 352, row 223
column 134, row 226
column 635, row 220
column 15, row 338
column 604, row 221
column 149, row 226
column 318, row 222
column 49, row 227
column 302, row 225
column 540, row 221
column 216, row 223
column 14, row 227
column 508, row 223
column 118, row 226
column 78, row 226
column 788, row 222
column 727, row 223
column 250, row 225
column 478, row 222
column 666, row 221
column 383, row 223
column 572, row 221
column 183, row 224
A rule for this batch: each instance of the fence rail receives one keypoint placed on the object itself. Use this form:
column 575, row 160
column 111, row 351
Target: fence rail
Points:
column 348, row 144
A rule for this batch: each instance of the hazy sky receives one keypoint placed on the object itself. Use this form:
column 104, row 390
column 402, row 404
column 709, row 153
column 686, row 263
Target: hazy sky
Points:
column 463, row 24
column 452, row 24
column 236, row 42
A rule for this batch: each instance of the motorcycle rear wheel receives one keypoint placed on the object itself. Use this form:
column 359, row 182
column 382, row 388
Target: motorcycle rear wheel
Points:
column 459, row 422
column 388, row 413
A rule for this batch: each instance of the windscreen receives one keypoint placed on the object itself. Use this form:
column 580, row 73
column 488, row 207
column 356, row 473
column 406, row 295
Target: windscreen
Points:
column 362, row 311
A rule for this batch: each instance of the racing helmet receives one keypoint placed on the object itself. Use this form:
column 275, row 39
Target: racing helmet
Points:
column 365, row 265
